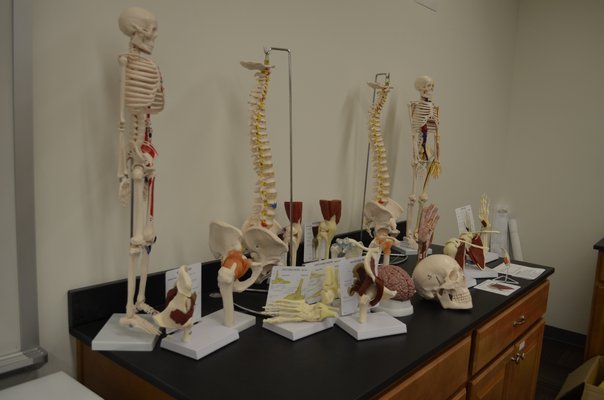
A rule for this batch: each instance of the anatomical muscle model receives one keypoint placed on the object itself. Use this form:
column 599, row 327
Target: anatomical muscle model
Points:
column 382, row 212
column 425, row 161
column 331, row 211
column 141, row 95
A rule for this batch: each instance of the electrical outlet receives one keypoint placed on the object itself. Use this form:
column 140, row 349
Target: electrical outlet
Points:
column 431, row 4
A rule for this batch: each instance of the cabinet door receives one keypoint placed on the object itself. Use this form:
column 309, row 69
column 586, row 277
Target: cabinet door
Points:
column 523, row 367
column 490, row 383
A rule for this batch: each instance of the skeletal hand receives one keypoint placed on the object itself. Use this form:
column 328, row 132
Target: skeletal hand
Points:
column 124, row 190
column 427, row 223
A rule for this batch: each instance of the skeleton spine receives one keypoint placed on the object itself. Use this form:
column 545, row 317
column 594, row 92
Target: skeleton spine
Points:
column 380, row 167
column 266, row 194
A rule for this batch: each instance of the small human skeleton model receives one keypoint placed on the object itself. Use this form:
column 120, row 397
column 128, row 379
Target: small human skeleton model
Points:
column 331, row 211
column 292, row 235
column 382, row 212
column 265, row 203
column 425, row 163
column 181, row 299
column 141, row 94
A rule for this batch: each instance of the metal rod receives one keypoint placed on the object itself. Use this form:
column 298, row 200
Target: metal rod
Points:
column 386, row 75
column 267, row 51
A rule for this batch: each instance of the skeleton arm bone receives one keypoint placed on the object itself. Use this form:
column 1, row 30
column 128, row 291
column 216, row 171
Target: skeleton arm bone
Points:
column 122, row 172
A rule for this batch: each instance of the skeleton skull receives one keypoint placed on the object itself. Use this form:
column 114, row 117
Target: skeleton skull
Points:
column 439, row 276
column 140, row 26
column 425, row 86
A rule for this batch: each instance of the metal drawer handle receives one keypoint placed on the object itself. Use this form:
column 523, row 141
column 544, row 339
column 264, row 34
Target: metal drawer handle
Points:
column 518, row 357
column 520, row 321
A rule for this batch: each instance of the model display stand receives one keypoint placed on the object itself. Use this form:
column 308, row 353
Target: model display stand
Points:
column 396, row 308
column 207, row 336
column 241, row 321
column 378, row 324
column 298, row 330
column 115, row 337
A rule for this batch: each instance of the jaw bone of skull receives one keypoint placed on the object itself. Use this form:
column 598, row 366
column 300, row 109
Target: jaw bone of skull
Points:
column 425, row 86
column 440, row 277
column 141, row 26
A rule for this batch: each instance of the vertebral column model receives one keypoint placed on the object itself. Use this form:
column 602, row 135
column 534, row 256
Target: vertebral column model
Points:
column 260, row 229
column 382, row 212
column 141, row 94
column 426, row 161
column 265, row 203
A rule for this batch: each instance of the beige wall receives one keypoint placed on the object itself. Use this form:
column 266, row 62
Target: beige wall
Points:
column 555, row 148
column 204, row 169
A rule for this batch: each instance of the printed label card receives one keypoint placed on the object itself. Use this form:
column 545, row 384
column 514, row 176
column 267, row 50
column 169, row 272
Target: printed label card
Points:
column 310, row 241
column 287, row 283
column 465, row 219
column 348, row 303
column 498, row 287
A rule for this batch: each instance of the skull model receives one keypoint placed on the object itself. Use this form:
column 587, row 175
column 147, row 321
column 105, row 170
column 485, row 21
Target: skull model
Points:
column 425, row 86
column 141, row 26
column 439, row 276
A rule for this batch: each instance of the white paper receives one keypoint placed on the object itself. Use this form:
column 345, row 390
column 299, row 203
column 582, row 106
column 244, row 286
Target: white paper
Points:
column 286, row 282
column 498, row 287
column 194, row 271
column 312, row 290
column 520, row 271
column 472, row 271
column 465, row 219
column 348, row 303
column 310, row 245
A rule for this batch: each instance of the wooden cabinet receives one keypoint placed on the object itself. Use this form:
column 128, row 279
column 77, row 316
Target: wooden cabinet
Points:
column 441, row 377
column 504, row 363
column 595, row 335
column 513, row 374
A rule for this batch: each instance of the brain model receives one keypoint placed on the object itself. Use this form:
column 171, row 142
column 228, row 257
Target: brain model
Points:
column 398, row 279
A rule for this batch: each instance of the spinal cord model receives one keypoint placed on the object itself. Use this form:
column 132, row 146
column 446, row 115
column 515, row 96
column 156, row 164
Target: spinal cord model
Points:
column 141, row 95
column 425, row 163
column 381, row 213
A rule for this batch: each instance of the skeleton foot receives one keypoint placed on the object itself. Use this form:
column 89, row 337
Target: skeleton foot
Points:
column 146, row 308
column 139, row 323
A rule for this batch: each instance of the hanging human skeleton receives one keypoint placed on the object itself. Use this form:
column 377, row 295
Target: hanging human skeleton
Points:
column 381, row 213
column 425, row 163
column 141, row 95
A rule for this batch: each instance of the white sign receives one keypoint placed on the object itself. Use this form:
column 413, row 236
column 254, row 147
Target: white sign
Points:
column 465, row 219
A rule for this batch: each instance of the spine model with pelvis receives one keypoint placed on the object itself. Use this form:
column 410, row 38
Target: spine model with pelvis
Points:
column 258, row 234
column 381, row 213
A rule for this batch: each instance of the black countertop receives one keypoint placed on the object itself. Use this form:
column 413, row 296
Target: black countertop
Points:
column 600, row 245
column 327, row 365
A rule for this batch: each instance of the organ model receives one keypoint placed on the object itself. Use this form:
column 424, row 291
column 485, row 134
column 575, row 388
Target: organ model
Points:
column 141, row 95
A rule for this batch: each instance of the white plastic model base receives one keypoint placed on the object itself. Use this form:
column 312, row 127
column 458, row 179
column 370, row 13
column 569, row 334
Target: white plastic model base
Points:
column 490, row 256
column 298, row 330
column 395, row 308
column 207, row 336
column 241, row 321
column 115, row 337
column 378, row 325
column 410, row 251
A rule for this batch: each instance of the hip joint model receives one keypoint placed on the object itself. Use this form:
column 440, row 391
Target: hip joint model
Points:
column 425, row 161
column 141, row 95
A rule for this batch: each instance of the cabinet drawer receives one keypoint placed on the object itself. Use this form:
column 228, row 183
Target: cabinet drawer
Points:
column 494, row 336
column 439, row 379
